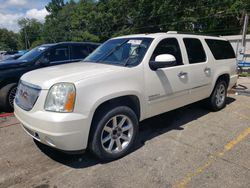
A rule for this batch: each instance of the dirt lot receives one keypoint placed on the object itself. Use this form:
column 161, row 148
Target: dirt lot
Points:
column 188, row 147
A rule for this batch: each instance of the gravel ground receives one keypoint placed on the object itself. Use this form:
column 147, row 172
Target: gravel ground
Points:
column 188, row 147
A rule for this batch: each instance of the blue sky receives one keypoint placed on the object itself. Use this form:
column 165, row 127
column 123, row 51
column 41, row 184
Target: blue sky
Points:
column 13, row 10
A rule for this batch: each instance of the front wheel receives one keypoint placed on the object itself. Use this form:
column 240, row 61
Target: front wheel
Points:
column 217, row 100
column 7, row 96
column 114, row 133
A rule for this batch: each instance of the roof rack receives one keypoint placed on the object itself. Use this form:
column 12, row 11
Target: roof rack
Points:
column 172, row 32
column 202, row 34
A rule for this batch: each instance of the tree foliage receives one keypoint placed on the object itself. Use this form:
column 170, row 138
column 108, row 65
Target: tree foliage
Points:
column 8, row 40
column 103, row 19
column 29, row 33
column 98, row 20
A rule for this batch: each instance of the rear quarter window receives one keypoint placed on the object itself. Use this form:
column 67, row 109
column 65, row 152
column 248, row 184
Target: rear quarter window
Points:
column 92, row 47
column 80, row 51
column 220, row 49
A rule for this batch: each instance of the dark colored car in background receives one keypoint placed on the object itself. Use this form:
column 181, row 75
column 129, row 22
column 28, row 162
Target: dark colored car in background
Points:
column 14, row 55
column 39, row 57
column 5, row 54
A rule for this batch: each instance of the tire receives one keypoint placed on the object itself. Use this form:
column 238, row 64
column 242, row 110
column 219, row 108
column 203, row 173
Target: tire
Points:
column 114, row 133
column 217, row 99
column 7, row 95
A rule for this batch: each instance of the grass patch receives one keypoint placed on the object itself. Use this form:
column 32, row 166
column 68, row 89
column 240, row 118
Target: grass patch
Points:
column 244, row 74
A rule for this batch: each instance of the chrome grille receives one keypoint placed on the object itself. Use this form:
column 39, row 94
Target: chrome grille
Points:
column 27, row 95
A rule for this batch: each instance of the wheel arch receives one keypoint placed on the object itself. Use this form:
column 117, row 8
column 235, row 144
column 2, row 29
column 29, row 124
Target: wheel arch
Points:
column 223, row 76
column 131, row 101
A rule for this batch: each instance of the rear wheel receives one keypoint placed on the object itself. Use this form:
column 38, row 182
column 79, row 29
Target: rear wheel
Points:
column 114, row 133
column 7, row 96
column 217, row 100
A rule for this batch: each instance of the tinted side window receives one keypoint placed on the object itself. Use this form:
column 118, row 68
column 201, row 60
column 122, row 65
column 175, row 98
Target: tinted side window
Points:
column 195, row 51
column 168, row 46
column 220, row 49
column 80, row 51
column 58, row 54
column 92, row 47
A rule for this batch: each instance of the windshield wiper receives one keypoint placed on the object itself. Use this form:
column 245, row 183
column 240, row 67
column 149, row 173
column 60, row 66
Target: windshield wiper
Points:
column 112, row 51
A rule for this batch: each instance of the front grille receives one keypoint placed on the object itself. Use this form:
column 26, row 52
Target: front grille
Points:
column 27, row 95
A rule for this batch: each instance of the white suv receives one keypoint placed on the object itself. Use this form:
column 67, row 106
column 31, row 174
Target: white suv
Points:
column 98, row 103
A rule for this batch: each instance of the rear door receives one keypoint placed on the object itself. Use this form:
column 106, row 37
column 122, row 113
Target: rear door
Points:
column 167, row 88
column 58, row 55
column 79, row 51
column 200, row 68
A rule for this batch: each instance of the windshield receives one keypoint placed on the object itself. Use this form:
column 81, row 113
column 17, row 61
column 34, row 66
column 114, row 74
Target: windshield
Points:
column 34, row 53
column 123, row 51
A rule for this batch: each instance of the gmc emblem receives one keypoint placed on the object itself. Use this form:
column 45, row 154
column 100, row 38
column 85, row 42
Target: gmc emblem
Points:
column 24, row 94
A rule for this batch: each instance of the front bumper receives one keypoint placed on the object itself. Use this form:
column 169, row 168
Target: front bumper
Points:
column 64, row 131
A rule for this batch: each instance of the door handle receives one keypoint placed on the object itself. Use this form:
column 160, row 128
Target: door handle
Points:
column 182, row 74
column 207, row 71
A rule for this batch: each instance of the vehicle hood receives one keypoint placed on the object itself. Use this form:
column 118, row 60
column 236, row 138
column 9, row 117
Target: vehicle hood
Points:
column 72, row 73
column 8, row 64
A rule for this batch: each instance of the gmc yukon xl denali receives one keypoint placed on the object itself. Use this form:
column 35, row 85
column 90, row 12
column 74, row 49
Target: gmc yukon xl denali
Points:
column 98, row 103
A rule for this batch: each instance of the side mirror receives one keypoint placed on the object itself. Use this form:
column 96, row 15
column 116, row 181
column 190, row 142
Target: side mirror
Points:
column 162, row 61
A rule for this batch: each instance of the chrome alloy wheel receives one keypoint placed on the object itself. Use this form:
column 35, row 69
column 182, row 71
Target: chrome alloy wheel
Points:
column 117, row 134
column 220, row 95
column 12, row 95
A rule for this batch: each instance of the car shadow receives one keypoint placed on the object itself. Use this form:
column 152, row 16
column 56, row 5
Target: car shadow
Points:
column 1, row 111
column 149, row 129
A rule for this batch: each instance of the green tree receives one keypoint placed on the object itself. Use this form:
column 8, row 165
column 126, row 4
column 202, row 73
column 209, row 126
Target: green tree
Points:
column 99, row 20
column 54, row 7
column 8, row 40
column 58, row 25
column 30, row 32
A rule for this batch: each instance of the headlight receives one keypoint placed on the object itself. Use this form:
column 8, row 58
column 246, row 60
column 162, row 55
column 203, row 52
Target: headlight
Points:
column 61, row 98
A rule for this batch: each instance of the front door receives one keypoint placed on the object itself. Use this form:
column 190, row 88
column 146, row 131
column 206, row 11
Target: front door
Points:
column 167, row 88
column 58, row 55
